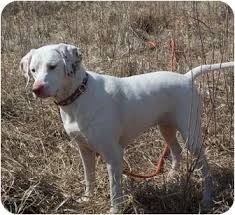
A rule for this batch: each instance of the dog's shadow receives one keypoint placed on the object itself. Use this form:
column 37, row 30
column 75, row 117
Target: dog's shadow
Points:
column 182, row 195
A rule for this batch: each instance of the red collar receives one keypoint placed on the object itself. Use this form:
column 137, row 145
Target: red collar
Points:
column 81, row 89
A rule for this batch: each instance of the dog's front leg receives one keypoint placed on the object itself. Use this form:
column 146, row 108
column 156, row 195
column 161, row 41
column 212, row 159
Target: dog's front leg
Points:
column 114, row 167
column 88, row 161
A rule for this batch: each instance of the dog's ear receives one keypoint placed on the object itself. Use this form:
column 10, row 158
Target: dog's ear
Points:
column 24, row 64
column 71, row 56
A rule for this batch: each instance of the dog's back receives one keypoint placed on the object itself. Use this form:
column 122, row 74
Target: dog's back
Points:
column 151, row 98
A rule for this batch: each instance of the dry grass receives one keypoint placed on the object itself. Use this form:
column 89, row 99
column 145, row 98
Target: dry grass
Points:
column 42, row 173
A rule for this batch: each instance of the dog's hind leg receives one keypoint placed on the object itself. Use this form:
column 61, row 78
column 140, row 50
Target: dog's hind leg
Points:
column 168, row 131
column 192, row 135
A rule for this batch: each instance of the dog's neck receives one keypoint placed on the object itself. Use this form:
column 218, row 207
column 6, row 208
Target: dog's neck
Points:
column 71, row 84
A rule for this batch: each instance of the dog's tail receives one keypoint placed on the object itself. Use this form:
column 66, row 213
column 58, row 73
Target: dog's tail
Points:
column 204, row 69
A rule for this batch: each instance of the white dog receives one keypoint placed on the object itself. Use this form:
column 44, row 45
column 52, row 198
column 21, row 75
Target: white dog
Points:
column 104, row 113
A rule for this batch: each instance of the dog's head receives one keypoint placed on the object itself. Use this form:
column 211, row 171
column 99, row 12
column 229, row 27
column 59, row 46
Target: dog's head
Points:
column 51, row 67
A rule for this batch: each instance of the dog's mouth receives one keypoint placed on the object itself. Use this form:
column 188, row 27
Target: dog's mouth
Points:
column 41, row 93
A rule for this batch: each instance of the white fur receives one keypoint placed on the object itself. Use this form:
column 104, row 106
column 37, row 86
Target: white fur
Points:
column 113, row 111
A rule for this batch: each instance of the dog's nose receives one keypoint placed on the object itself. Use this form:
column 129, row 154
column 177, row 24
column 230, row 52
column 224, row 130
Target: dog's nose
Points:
column 38, row 89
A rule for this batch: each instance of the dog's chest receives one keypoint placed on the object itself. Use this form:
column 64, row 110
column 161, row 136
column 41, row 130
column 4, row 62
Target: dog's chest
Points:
column 71, row 125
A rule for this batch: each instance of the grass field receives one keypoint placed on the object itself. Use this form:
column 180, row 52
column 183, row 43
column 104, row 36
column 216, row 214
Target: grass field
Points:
column 41, row 171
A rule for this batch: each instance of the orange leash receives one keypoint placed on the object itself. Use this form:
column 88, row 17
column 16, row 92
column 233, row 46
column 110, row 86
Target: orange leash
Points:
column 153, row 173
column 165, row 149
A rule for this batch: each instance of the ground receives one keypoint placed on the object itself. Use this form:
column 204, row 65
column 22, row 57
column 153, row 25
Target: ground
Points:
column 41, row 171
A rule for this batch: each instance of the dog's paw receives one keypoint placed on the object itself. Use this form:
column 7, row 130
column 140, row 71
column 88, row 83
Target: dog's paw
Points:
column 207, row 203
column 84, row 199
column 115, row 210
column 207, row 200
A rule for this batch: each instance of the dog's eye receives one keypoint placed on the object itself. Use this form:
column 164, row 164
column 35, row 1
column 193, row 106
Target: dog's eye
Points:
column 51, row 67
column 33, row 70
